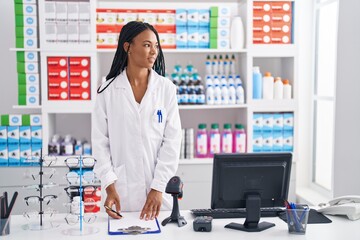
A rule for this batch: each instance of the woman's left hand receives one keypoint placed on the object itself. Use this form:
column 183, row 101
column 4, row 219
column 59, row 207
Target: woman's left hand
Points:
column 152, row 206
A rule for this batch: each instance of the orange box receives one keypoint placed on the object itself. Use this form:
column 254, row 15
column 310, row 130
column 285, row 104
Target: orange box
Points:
column 58, row 94
column 57, row 73
column 57, row 82
column 92, row 197
column 79, row 94
column 261, row 38
column 126, row 15
column 78, row 82
column 57, row 62
column 281, row 7
column 261, row 17
column 281, row 27
column 280, row 38
column 261, row 7
column 79, row 72
column 281, row 17
column 83, row 62
column 261, row 27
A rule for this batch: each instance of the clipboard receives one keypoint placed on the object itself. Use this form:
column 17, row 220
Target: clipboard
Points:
column 130, row 224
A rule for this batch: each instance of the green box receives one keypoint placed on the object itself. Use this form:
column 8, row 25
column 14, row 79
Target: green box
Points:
column 214, row 22
column 20, row 56
column 5, row 120
column 214, row 11
column 22, row 89
column 22, row 100
column 20, row 42
column 21, row 78
column 213, row 33
column 25, row 120
column 19, row 9
column 19, row 20
column 20, row 66
column 213, row 43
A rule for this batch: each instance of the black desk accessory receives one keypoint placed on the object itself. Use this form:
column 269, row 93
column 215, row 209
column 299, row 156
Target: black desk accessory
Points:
column 174, row 187
column 314, row 217
column 202, row 224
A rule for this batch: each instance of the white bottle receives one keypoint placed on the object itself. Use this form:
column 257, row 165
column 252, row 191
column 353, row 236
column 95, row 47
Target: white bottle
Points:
column 237, row 33
column 227, row 65
column 224, row 94
column 209, row 95
column 230, row 80
column 278, row 88
column 208, row 66
column 240, row 97
column 217, row 94
column 215, row 66
column 287, row 89
column 268, row 86
column 232, row 65
column 221, row 65
column 223, row 81
column 232, row 94
column 237, row 80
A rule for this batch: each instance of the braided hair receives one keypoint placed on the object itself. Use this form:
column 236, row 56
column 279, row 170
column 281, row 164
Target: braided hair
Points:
column 120, row 61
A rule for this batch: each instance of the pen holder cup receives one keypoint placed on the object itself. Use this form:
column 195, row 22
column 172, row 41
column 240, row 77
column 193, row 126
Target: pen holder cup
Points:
column 297, row 220
column 4, row 226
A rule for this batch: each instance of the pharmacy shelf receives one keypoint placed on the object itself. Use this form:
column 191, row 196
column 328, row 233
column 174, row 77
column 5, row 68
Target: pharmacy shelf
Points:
column 25, row 49
column 267, row 50
column 184, row 50
column 29, row 107
column 200, row 107
column 282, row 105
column 72, row 106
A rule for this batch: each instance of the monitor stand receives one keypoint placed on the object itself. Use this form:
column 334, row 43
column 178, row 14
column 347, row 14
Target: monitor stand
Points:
column 251, row 224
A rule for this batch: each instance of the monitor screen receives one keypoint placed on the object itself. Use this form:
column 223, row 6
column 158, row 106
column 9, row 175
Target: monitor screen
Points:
column 235, row 176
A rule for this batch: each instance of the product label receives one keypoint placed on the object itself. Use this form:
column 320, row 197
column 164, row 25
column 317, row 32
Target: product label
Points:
column 227, row 143
column 214, row 143
column 201, row 148
column 240, row 143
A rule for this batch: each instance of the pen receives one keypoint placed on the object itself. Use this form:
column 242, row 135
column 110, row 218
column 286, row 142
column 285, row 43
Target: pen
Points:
column 112, row 210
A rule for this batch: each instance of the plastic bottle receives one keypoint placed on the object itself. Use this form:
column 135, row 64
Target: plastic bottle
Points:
column 201, row 141
column 239, row 144
column 215, row 66
column 237, row 33
column 190, row 68
column 237, row 80
column 257, row 83
column 240, row 95
column 230, row 80
column 227, row 139
column 209, row 91
column 177, row 68
column 268, row 86
column 232, row 94
column 221, row 65
column 217, row 92
column 223, row 81
column 208, row 67
column 214, row 140
column 78, row 148
column 232, row 65
column 224, row 94
column 183, row 90
column 287, row 89
column 191, row 92
column 227, row 65
column 278, row 88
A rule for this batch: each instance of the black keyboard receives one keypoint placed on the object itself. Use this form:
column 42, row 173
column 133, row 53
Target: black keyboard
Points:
column 235, row 212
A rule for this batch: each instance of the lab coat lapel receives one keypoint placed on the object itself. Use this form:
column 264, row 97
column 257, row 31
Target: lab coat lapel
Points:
column 152, row 83
column 124, row 84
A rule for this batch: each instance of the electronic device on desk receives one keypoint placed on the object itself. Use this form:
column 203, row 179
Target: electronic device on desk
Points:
column 257, row 183
column 202, row 224
column 345, row 205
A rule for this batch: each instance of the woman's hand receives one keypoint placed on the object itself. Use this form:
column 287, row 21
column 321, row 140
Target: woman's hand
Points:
column 112, row 198
column 152, row 206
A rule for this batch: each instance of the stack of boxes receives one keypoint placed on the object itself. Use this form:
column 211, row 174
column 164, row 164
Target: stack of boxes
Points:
column 69, row 78
column 192, row 28
column 20, row 138
column 272, row 22
column 220, row 27
column 28, row 60
column 109, row 23
column 273, row 132
column 67, row 22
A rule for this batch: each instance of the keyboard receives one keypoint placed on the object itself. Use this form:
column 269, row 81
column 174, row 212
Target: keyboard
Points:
column 235, row 212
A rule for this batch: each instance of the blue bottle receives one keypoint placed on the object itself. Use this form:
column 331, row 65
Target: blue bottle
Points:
column 257, row 83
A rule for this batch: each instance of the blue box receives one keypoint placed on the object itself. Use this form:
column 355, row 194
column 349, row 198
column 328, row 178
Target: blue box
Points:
column 277, row 141
column 181, row 37
column 288, row 121
column 257, row 142
column 25, row 153
column 204, row 18
column 3, row 135
column 181, row 18
column 204, row 38
column 288, row 141
column 36, row 134
column 257, row 122
column 192, row 18
column 14, row 154
column 278, row 122
column 267, row 142
column 13, row 134
column 268, row 122
column 25, row 134
column 4, row 161
column 193, row 37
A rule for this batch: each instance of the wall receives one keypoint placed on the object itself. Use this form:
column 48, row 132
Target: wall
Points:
column 347, row 127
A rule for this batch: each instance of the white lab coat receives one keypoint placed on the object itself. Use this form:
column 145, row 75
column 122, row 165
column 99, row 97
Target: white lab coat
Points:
column 133, row 144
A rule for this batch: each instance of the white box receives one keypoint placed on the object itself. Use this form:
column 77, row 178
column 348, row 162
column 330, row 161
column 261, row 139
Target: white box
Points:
column 223, row 43
column 31, row 57
column 288, row 121
column 268, row 122
column 277, row 141
column 13, row 134
column 223, row 33
column 50, row 11
column 15, row 120
column 278, row 122
column 32, row 100
column 4, row 155
column 84, row 33
column 223, row 22
column 73, row 32
column 31, row 67
column 257, row 122
column 32, row 89
column 30, row 32
column 148, row 17
column 50, row 32
column 224, row 12
column 14, row 154
column 29, row 10
column 61, row 11
column 3, row 135
column 288, row 141
column 35, row 120
column 257, row 142
column 267, row 142
column 181, row 18
column 192, row 18
column 36, row 134
column 30, row 43
column 73, row 11
column 84, row 11
column 204, row 17
column 25, row 134
column 61, row 33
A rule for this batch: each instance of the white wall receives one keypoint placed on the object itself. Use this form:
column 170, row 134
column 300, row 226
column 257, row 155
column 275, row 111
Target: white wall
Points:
column 347, row 121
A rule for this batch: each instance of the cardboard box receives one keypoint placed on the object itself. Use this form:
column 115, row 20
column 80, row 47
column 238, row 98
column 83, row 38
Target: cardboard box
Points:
column 192, row 18
column 220, row 22
column 36, row 134
column 181, row 37
column 220, row 43
column 278, row 122
column 261, row 38
column 288, row 121
column 193, row 37
column 220, row 11
column 58, row 94
column 50, row 32
column 257, row 122
column 4, row 156
column 25, row 21
column 28, row 78
column 13, row 134
column 80, row 94
column 288, row 141
column 30, row 43
column 204, row 17
column 14, row 154
column 25, row 9
column 30, row 89
column 148, row 16
column 26, row 32
column 180, row 18
column 29, row 100
column 15, row 120
column 281, row 7
column 204, row 38
column 27, row 56
column 262, row 7
column 73, row 12
column 277, row 141
column 3, row 134
column 25, row 153
column 27, row 67
column 106, row 16
column 268, row 122
column 50, row 11
column 267, row 145
column 257, row 142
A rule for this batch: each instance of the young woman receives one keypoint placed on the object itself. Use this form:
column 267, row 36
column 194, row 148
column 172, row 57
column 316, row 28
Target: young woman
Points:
column 136, row 131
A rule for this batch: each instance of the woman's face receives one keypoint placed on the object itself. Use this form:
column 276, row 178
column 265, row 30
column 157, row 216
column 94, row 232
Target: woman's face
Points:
column 143, row 50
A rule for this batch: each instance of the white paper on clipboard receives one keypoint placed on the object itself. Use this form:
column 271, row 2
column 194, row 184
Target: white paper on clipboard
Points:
column 117, row 226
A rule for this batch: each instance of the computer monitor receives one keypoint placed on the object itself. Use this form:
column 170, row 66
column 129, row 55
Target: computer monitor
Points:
column 251, row 181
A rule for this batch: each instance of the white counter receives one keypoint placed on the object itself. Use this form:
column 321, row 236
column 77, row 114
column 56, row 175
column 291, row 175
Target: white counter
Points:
column 340, row 228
